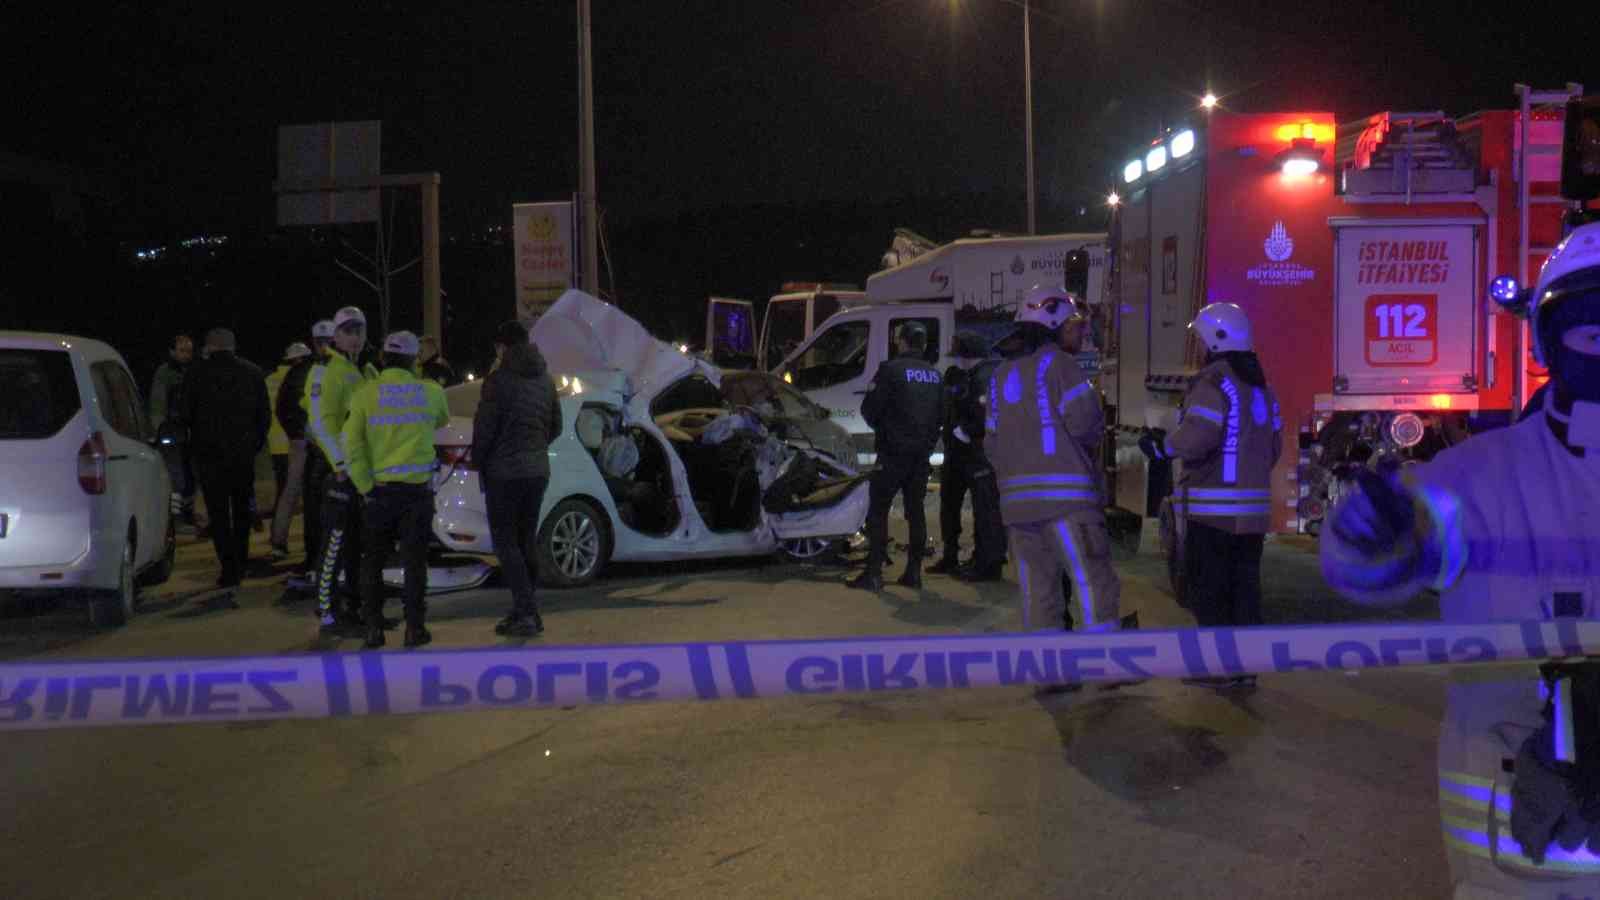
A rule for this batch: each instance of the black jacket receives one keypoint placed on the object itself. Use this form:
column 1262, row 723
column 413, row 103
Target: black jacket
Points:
column 963, row 408
column 905, row 406
column 291, row 415
column 225, row 407
column 517, row 418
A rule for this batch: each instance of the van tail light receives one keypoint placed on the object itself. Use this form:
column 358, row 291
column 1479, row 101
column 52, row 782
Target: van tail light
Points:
column 455, row 457
column 92, row 465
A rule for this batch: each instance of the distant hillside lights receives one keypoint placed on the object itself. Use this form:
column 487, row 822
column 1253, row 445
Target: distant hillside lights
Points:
column 154, row 254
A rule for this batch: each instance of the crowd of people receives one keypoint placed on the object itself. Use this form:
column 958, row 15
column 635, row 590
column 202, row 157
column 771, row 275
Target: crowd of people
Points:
column 349, row 431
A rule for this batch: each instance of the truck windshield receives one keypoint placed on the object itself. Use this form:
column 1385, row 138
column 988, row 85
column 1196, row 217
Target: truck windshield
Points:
column 786, row 328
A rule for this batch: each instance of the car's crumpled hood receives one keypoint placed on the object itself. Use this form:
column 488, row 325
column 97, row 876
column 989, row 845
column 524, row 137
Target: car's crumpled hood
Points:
column 581, row 333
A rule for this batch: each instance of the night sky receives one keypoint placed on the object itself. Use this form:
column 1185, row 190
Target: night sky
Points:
column 705, row 104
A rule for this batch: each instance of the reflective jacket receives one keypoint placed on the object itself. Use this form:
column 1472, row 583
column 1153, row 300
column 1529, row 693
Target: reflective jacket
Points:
column 1508, row 530
column 327, row 401
column 1229, row 437
column 1042, row 437
column 277, row 438
column 388, row 435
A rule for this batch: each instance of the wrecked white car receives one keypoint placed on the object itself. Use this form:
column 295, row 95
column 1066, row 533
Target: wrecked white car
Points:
column 653, row 462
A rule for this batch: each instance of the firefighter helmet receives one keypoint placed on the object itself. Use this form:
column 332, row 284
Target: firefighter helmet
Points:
column 1222, row 328
column 1051, row 306
column 1572, row 273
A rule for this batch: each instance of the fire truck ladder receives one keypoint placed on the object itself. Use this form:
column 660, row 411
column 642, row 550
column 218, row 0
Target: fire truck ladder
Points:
column 1529, row 154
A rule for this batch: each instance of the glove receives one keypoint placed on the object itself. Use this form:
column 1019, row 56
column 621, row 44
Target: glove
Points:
column 1377, row 514
column 1153, row 443
column 961, row 435
column 1544, row 803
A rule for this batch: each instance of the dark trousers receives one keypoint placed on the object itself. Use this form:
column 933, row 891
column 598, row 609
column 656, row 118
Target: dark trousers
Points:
column 1222, row 576
column 396, row 513
column 970, row 473
column 229, row 486
column 513, row 520
column 181, row 470
column 317, row 471
column 908, row 477
column 341, row 541
column 280, row 475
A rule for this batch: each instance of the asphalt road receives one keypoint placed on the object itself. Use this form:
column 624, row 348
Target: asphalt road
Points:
column 1316, row 785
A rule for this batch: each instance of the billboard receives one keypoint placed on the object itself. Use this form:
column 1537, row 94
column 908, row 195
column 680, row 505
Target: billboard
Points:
column 545, row 243
column 329, row 151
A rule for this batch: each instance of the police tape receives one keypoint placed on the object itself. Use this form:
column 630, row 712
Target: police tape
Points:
column 75, row 694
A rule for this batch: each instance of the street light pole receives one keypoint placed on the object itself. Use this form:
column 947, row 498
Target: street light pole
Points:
column 586, row 180
column 1027, row 99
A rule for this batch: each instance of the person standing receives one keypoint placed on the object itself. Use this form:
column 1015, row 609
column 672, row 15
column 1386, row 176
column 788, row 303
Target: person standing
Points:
column 967, row 470
column 433, row 366
column 905, row 407
column 1229, row 438
column 326, row 401
column 1043, row 435
column 166, row 408
column 388, row 442
column 225, row 406
column 518, row 416
column 1506, row 527
column 290, row 435
column 292, row 413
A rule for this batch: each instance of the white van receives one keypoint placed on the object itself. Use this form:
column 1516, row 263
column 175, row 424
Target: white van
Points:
column 973, row 283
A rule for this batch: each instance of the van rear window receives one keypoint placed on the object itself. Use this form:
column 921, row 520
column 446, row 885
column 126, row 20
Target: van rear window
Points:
column 38, row 393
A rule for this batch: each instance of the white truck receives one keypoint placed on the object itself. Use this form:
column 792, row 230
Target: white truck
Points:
column 972, row 281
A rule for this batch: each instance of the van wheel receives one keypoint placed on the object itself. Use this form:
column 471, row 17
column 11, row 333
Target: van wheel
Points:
column 113, row 608
column 574, row 544
column 162, row 569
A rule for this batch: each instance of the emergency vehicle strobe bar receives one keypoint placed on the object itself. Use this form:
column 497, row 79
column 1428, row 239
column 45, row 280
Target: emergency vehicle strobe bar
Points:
column 78, row 694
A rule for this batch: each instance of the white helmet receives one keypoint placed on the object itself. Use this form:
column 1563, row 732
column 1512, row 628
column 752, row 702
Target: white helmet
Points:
column 322, row 329
column 349, row 314
column 1571, row 272
column 296, row 350
column 1222, row 328
column 1051, row 306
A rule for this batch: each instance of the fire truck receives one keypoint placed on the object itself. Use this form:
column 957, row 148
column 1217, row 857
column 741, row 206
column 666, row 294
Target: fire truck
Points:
column 1363, row 254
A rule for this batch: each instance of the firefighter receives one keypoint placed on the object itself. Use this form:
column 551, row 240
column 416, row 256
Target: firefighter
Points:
column 1229, row 437
column 327, row 402
column 905, row 407
column 1507, row 526
column 967, row 470
column 388, row 442
column 1044, row 430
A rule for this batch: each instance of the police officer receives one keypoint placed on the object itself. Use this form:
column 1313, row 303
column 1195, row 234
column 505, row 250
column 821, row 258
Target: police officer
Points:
column 1507, row 526
column 905, row 406
column 967, row 470
column 329, row 387
column 291, row 411
column 1044, row 430
column 388, row 442
column 1229, row 437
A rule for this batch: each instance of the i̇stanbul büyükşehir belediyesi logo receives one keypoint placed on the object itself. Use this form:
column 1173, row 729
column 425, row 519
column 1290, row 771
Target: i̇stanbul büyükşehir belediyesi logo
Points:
column 1278, row 271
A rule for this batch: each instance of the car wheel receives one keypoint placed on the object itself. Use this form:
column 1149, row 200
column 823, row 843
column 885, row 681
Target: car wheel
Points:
column 162, row 570
column 574, row 544
column 113, row 608
column 811, row 549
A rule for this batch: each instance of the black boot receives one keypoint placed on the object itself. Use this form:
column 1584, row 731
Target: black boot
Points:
column 947, row 565
column 976, row 571
column 417, row 635
column 869, row 580
column 912, row 576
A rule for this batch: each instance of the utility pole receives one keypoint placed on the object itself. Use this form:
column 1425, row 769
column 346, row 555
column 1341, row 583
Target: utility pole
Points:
column 590, row 212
